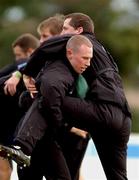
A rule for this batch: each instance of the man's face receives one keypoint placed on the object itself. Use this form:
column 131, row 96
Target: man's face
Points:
column 19, row 53
column 45, row 34
column 80, row 59
column 67, row 28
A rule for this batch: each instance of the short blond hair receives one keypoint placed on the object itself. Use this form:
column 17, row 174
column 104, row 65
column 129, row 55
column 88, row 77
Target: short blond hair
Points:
column 54, row 23
column 77, row 41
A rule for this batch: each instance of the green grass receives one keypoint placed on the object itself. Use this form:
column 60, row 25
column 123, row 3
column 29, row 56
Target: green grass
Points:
column 135, row 120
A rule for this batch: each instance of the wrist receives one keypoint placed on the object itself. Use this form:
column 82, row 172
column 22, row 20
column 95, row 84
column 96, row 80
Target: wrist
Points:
column 17, row 74
column 25, row 76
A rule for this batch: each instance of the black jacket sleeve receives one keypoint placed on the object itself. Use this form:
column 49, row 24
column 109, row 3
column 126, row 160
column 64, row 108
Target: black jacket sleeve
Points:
column 56, row 82
column 52, row 49
column 53, row 94
column 8, row 69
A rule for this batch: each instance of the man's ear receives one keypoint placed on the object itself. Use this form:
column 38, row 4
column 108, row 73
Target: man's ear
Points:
column 79, row 30
column 29, row 51
column 69, row 53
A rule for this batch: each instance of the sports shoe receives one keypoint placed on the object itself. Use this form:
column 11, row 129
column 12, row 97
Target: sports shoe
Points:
column 15, row 154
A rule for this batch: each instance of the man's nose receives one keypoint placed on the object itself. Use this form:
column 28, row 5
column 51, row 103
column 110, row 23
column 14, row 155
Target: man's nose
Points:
column 41, row 40
column 88, row 63
column 62, row 32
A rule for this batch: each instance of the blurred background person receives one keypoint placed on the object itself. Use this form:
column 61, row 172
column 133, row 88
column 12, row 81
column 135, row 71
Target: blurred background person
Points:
column 22, row 48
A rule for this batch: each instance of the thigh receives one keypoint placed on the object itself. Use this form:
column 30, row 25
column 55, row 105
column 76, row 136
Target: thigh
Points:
column 79, row 113
column 5, row 169
column 111, row 146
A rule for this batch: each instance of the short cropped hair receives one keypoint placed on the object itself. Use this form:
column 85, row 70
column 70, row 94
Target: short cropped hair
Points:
column 77, row 41
column 26, row 41
column 81, row 20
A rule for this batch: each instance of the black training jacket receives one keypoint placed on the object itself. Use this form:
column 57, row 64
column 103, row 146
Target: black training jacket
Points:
column 57, row 81
column 102, row 76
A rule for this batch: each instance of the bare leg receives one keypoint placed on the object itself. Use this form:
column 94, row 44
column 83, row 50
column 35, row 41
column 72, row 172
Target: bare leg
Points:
column 5, row 169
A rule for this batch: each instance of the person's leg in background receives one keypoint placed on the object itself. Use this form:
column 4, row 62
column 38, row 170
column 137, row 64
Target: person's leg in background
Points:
column 5, row 169
column 6, row 131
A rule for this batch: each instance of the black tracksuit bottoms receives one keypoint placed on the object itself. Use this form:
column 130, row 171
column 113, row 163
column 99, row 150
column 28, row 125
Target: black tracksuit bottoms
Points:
column 108, row 126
